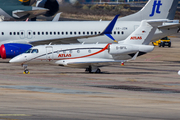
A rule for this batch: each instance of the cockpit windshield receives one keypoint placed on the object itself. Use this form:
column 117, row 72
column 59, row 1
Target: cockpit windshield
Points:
column 28, row 51
column 34, row 51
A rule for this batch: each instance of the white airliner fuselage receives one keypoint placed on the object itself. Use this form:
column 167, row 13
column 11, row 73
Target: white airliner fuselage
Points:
column 27, row 32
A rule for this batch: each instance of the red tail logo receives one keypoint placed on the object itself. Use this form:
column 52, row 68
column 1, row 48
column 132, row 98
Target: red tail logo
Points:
column 136, row 38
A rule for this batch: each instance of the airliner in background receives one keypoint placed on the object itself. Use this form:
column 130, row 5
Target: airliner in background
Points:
column 93, row 56
column 17, row 37
column 17, row 10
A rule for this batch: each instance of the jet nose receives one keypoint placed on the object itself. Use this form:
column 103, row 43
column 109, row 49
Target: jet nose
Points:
column 17, row 59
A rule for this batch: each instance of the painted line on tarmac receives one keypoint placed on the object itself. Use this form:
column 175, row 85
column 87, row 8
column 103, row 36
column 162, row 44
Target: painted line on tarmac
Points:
column 19, row 115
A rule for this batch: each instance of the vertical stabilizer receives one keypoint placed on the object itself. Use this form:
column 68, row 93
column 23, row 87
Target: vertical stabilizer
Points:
column 144, row 33
column 154, row 9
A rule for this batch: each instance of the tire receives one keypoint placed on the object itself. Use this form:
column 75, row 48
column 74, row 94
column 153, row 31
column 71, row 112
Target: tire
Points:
column 159, row 44
column 169, row 45
column 26, row 71
column 162, row 44
column 98, row 71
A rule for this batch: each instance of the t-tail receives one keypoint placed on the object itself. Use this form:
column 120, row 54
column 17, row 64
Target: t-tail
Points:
column 144, row 33
column 154, row 9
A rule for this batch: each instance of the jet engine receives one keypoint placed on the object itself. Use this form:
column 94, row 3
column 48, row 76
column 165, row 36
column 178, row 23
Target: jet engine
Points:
column 10, row 50
column 52, row 5
column 128, row 49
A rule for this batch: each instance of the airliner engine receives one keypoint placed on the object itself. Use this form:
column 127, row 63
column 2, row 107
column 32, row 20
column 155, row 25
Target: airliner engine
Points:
column 52, row 5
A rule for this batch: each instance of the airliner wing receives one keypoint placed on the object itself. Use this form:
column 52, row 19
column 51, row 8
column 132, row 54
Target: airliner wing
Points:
column 107, row 31
column 30, row 14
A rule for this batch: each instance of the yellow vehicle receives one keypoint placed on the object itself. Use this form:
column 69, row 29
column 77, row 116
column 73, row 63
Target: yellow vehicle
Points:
column 163, row 42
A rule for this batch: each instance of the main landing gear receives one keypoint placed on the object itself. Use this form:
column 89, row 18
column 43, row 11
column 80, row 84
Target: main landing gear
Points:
column 26, row 71
column 93, row 69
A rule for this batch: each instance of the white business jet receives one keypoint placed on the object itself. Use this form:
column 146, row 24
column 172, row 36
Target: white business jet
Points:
column 17, row 37
column 93, row 56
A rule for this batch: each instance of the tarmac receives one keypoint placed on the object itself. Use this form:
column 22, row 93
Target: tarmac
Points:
column 145, row 89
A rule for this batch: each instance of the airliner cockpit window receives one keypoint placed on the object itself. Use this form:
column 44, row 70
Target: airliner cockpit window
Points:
column 34, row 51
column 28, row 51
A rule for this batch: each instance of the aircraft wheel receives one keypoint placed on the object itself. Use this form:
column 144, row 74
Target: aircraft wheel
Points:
column 98, row 71
column 26, row 71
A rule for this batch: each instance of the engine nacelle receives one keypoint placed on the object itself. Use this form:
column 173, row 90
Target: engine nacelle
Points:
column 128, row 49
column 122, row 49
column 10, row 50
column 52, row 5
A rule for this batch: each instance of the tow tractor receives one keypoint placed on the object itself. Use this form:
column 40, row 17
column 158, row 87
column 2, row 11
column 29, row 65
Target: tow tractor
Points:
column 163, row 42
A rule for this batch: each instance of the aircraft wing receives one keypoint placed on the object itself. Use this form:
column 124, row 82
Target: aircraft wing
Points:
column 29, row 14
column 107, row 31
column 85, row 62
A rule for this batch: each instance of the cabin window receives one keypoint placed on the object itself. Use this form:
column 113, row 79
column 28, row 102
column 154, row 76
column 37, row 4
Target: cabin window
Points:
column 29, row 33
column 79, row 33
column 118, row 32
column 91, row 33
column 87, row 33
column 46, row 33
column 70, row 33
column 78, row 51
column 22, row 33
column 42, row 33
column 54, row 33
column 34, row 33
column 114, row 32
column 2, row 33
column 122, row 32
column 66, row 33
column 50, row 33
column 10, row 33
column 95, row 33
column 62, row 33
column 99, row 32
column 38, row 33
column 89, row 51
column 58, row 33
column 34, row 51
column 83, row 33
column 75, row 33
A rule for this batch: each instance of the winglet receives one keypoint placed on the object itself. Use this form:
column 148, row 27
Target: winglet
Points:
column 110, row 27
column 56, row 18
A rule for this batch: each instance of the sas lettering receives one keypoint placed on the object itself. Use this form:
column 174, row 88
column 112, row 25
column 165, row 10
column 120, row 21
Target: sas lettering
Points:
column 64, row 55
column 136, row 38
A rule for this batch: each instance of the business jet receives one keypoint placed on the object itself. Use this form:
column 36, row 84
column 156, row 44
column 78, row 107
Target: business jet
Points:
column 16, row 36
column 93, row 56
column 15, row 10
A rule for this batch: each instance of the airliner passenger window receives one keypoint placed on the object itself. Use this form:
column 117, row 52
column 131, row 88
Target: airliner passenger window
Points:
column 118, row 32
column 46, row 33
column 62, row 33
column 71, row 33
column 34, row 51
column 91, row 33
column 38, row 33
column 22, row 33
column 122, row 32
column 50, row 33
column 87, row 33
column 14, row 33
column 66, row 33
column 79, row 33
column 34, row 33
column 95, row 33
column 114, row 32
column 2, row 33
column 17, row 33
column 83, row 33
column 54, row 33
column 42, row 33
column 75, row 33
column 58, row 33
column 10, row 33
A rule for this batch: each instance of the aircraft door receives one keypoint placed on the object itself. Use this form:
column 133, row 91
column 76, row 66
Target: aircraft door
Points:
column 29, row 34
column 49, row 53
column 21, row 34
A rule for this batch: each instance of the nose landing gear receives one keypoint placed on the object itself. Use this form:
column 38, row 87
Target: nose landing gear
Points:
column 26, row 71
column 93, row 69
